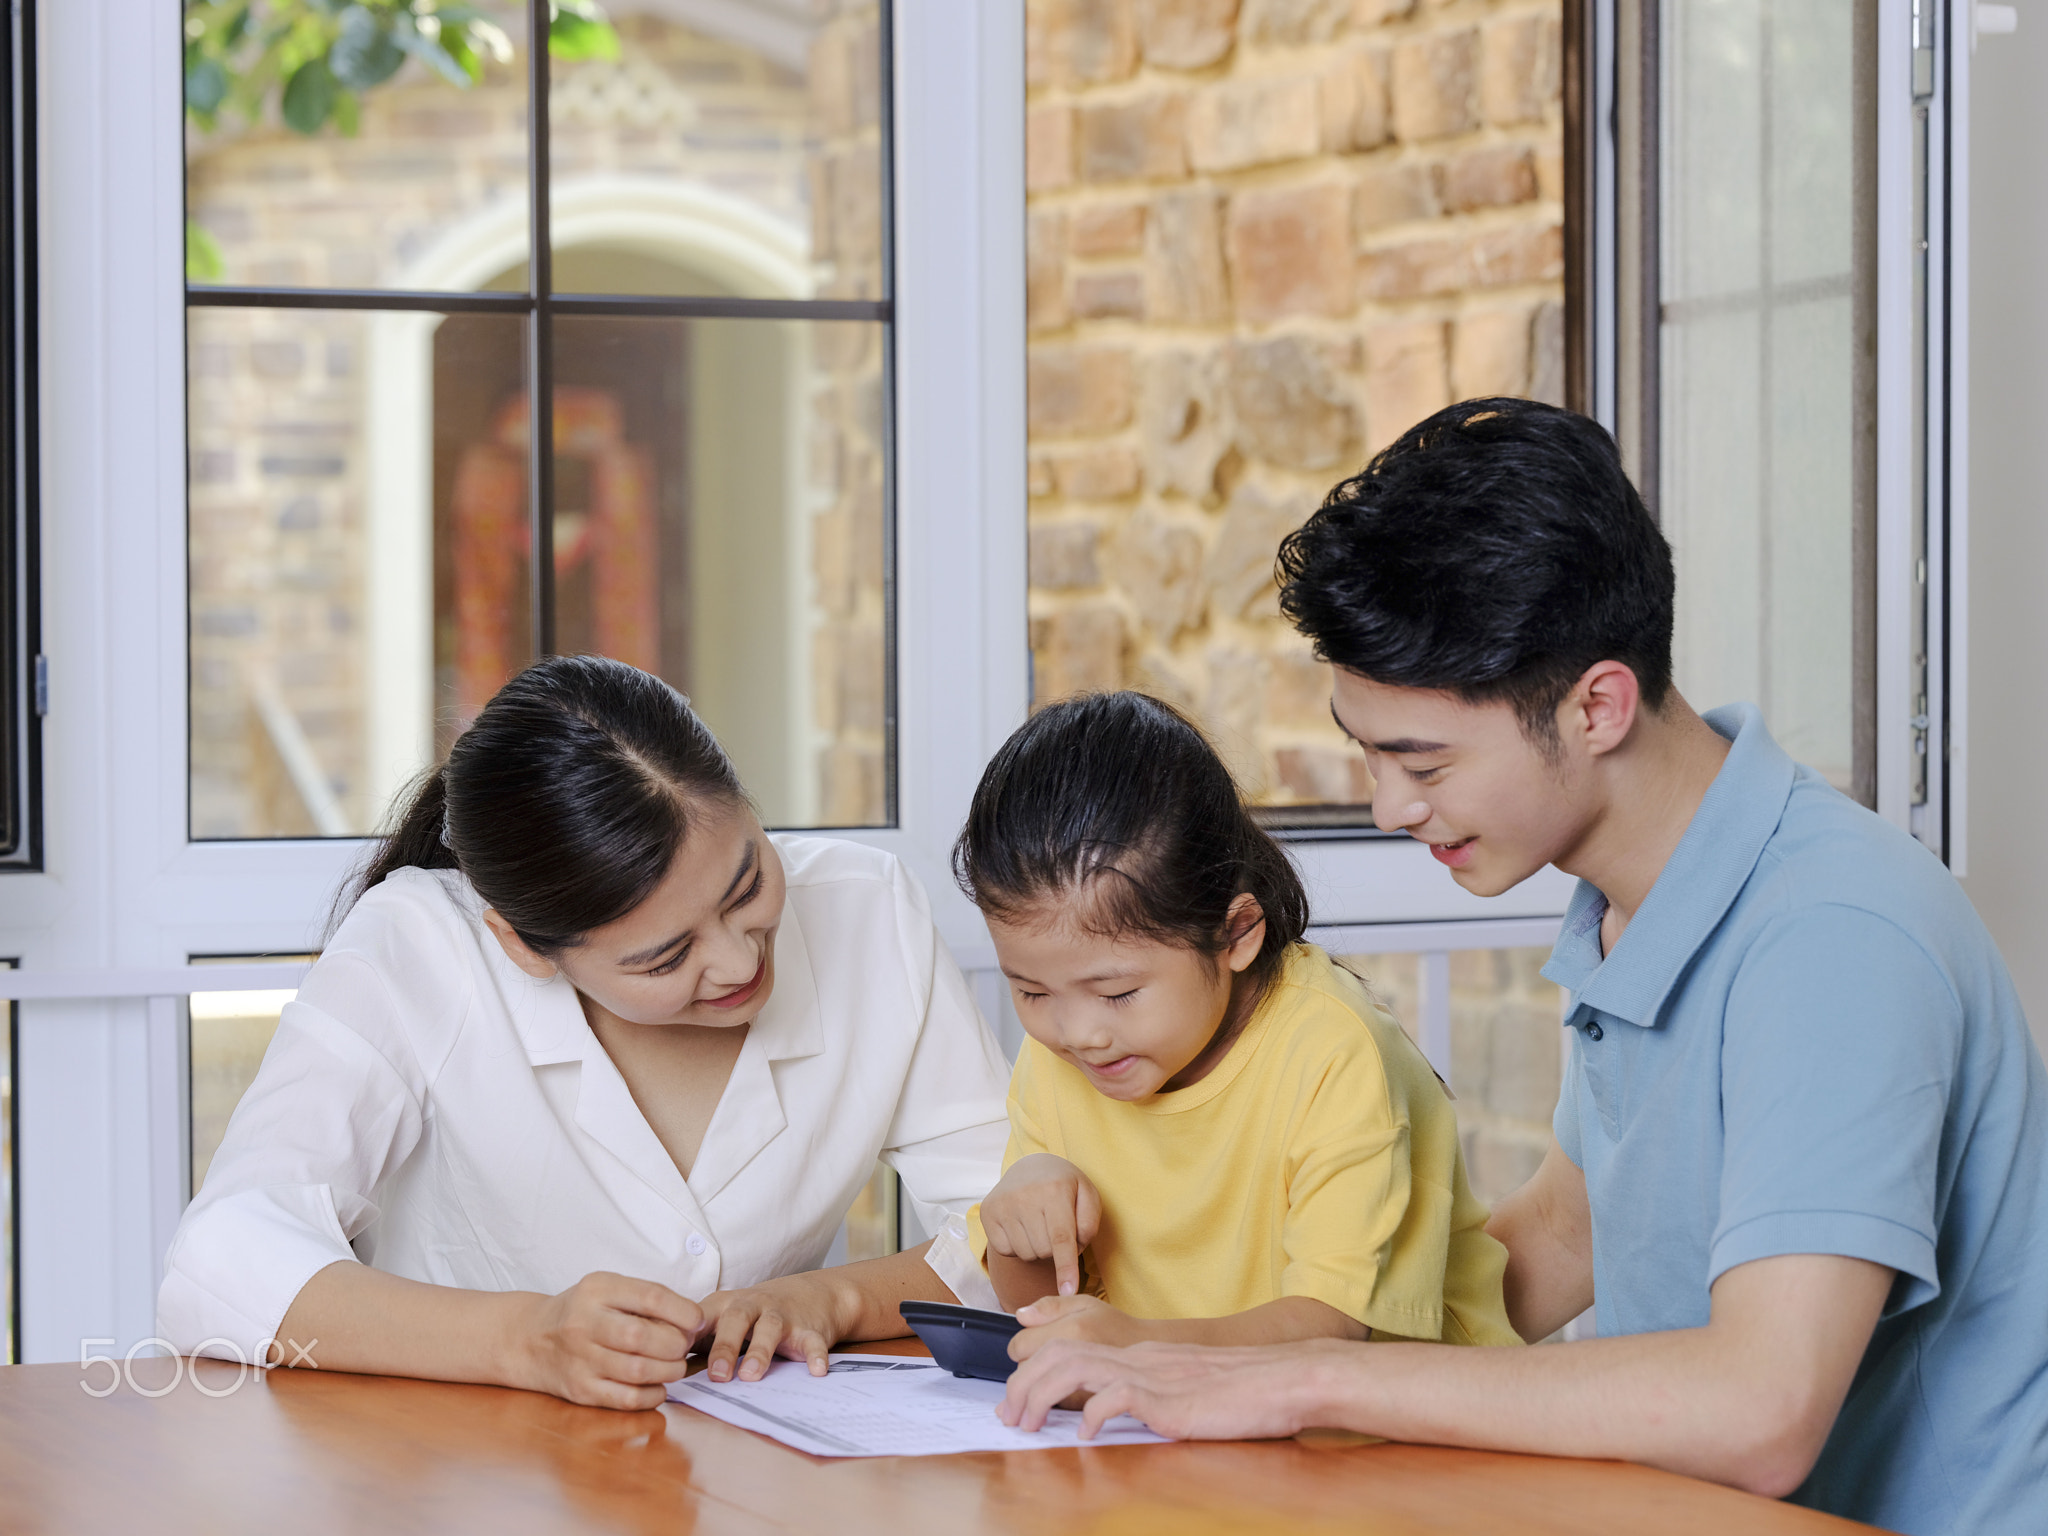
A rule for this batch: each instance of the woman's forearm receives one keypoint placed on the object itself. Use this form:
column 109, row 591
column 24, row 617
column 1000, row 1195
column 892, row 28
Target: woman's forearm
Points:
column 350, row 1317
column 874, row 1288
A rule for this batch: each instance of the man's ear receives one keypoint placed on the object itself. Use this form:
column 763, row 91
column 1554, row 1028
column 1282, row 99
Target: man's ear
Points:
column 1244, row 929
column 517, row 950
column 1601, row 709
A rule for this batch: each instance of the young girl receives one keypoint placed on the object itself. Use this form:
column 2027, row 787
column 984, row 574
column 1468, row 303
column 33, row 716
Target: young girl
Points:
column 1216, row 1136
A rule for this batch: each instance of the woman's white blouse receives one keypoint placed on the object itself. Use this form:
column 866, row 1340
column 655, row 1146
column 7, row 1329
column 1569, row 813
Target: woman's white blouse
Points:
column 428, row 1108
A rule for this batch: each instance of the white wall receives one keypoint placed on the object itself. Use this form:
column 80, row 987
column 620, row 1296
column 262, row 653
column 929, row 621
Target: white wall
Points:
column 2008, row 447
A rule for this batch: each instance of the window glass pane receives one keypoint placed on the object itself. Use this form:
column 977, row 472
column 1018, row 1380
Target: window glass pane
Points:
column 719, row 520
column 336, row 480
column 742, row 144
column 1758, row 349
column 1507, row 1050
column 412, row 182
column 1263, row 241
column 230, row 1033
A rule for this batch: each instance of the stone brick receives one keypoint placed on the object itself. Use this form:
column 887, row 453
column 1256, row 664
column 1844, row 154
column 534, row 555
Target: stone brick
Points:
column 1518, row 69
column 1518, row 254
column 1290, row 251
column 1075, row 650
column 1352, row 97
column 1243, row 123
column 1157, row 564
column 1416, row 269
column 1084, row 42
column 1550, row 173
column 1107, row 229
column 1292, row 22
column 1063, row 556
column 1098, row 474
column 1370, row 13
column 1290, row 408
column 1156, row 673
column 1136, row 140
column 1109, row 295
column 1185, row 279
column 1496, row 176
column 1235, row 701
column 1433, row 85
column 1186, row 421
column 1405, row 378
column 1323, row 775
column 1490, row 353
column 1546, row 359
column 1186, row 34
column 1240, row 569
column 1045, row 271
column 1048, row 148
column 1038, row 475
column 1298, row 690
column 1391, row 194
column 1078, row 391
column 852, row 779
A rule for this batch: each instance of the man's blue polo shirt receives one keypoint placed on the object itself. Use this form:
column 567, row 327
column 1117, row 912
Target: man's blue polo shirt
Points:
column 1805, row 1042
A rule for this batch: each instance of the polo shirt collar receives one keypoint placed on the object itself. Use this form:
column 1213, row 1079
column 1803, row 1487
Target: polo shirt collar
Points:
column 1713, row 861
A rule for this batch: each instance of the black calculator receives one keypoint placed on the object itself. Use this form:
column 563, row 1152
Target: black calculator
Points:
column 965, row 1340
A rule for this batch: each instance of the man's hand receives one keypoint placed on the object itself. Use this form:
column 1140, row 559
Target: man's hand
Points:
column 798, row 1316
column 1184, row 1391
column 1044, row 1208
column 608, row 1341
column 1084, row 1319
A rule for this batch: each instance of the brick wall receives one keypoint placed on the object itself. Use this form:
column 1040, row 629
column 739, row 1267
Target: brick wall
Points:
column 1265, row 237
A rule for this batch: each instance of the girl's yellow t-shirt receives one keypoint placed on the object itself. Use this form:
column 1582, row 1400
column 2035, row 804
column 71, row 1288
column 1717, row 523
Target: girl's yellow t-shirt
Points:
column 1320, row 1158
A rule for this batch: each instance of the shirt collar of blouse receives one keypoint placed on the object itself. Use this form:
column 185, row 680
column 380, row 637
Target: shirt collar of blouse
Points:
column 1706, row 872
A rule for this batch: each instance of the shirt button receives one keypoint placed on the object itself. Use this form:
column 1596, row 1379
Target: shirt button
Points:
column 696, row 1245
column 956, row 1229
column 1593, row 1032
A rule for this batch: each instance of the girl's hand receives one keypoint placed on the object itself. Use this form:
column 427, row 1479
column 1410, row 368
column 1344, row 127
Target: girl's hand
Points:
column 1086, row 1319
column 1044, row 1208
column 607, row 1341
column 799, row 1317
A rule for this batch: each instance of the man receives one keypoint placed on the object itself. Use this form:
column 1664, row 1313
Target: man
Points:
column 1801, row 1158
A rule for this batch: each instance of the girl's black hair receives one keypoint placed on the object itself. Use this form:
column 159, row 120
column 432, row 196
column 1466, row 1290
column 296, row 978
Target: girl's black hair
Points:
column 1118, row 798
column 567, row 801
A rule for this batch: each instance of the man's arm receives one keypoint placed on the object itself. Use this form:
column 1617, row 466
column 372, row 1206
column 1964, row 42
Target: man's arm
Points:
column 1547, row 1229
column 1747, row 1400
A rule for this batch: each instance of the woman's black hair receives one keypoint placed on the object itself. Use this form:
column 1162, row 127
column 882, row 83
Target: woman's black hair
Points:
column 1496, row 551
column 567, row 801
column 1119, row 799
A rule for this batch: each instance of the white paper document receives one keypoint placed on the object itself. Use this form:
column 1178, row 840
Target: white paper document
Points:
column 885, row 1405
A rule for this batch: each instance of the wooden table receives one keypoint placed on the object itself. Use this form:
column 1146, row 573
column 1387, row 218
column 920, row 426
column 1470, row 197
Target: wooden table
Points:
column 309, row 1452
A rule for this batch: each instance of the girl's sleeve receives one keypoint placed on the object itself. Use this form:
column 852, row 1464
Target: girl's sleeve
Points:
column 334, row 1110
column 1370, row 1213
column 946, row 1138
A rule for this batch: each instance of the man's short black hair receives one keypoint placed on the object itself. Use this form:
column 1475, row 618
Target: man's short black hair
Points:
column 1495, row 551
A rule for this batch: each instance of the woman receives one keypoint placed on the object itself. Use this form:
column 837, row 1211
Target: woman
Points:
column 589, row 1075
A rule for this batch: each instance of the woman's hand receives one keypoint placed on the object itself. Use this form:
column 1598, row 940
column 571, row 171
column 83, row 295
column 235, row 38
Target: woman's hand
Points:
column 798, row 1316
column 1044, row 1208
column 607, row 1341
column 1087, row 1319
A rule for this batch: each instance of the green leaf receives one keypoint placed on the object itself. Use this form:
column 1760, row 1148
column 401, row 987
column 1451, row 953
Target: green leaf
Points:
column 579, row 29
column 428, row 51
column 206, row 85
column 571, row 37
column 203, row 261
column 309, row 96
column 348, row 113
column 365, row 54
column 237, row 29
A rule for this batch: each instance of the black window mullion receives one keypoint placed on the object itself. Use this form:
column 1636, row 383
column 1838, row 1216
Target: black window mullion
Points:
column 540, row 332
